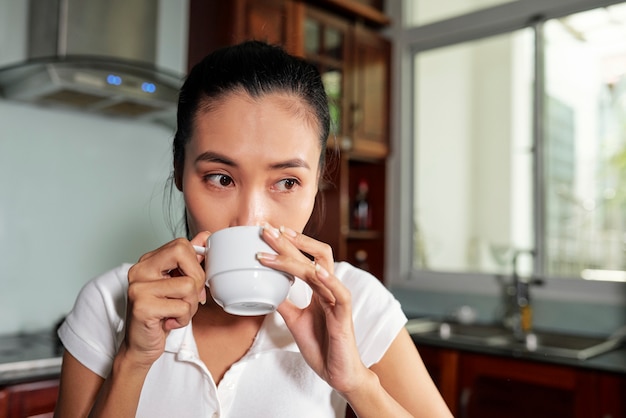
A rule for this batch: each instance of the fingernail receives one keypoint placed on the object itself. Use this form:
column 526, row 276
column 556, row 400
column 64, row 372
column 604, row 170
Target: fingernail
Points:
column 203, row 297
column 288, row 231
column 275, row 232
column 321, row 271
column 265, row 256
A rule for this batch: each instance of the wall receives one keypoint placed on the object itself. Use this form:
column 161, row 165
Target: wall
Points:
column 79, row 194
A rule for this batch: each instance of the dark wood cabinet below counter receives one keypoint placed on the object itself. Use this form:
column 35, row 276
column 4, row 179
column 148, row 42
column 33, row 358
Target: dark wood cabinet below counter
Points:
column 29, row 400
column 480, row 385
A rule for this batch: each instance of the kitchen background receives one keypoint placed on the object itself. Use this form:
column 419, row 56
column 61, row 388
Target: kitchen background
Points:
column 80, row 194
column 469, row 186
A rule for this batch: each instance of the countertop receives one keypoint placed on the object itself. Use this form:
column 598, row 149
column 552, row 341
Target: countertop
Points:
column 29, row 357
column 37, row 356
column 613, row 361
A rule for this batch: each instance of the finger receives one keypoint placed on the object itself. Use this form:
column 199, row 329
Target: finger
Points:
column 342, row 295
column 289, row 311
column 175, row 259
column 172, row 313
column 300, row 267
column 176, row 254
column 183, row 288
column 288, row 246
column 321, row 252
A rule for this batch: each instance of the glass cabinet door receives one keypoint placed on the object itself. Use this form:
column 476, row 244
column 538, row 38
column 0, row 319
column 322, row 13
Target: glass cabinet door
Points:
column 326, row 46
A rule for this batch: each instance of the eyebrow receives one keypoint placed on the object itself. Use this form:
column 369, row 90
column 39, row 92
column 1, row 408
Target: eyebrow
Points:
column 214, row 157
column 293, row 163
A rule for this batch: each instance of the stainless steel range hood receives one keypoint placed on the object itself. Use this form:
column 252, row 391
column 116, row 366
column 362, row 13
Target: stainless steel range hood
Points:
column 96, row 56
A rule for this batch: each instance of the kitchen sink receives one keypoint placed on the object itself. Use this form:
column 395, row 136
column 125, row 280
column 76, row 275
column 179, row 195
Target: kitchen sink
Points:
column 493, row 335
column 564, row 345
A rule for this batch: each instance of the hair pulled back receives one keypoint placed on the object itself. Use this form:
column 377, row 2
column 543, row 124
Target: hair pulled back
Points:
column 257, row 69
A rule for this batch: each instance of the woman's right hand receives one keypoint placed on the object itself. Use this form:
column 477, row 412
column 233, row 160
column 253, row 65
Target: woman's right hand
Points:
column 164, row 290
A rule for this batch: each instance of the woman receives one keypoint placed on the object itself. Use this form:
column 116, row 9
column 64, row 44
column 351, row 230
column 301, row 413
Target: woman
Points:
column 144, row 340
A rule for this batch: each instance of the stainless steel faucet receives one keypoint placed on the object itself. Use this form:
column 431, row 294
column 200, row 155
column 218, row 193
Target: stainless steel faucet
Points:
column 518, row 315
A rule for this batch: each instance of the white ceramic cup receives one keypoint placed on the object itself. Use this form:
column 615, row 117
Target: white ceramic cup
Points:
column 236, row 279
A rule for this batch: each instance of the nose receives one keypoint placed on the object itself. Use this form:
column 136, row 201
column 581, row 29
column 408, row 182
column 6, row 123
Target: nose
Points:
column 252, row 208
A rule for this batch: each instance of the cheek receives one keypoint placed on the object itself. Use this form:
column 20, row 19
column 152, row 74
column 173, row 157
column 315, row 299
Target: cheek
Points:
column 301, row 212
column 201, row 215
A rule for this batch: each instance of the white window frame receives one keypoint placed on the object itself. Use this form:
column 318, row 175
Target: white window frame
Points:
column 407, row 42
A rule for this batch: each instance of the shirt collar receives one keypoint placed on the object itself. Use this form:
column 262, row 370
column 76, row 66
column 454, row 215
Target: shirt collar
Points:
column 181, row 339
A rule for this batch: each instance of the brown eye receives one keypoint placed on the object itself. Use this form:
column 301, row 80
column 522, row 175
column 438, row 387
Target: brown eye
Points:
column 225, row 181
column 287, row 184
column 219, row 180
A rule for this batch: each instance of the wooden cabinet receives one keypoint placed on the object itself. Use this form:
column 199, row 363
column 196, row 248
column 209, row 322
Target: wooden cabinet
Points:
column 34, row 399
column 340, row 38
column 477, row 385
column 355, row 63
column 4, row 403
column 612, row 395
column 442, row 365
column 370, row 95
column 213, row 24
column 495, row 387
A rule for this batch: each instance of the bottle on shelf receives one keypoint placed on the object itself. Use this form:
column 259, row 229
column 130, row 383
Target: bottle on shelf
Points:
column 362, row 214
column 361, row 260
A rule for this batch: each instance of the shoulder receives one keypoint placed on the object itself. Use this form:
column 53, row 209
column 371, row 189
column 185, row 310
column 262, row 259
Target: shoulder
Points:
column 368, row 293
column 104, row 297
column 112, row 280
column 107, row 290
column 360, row 282
column 93, row 330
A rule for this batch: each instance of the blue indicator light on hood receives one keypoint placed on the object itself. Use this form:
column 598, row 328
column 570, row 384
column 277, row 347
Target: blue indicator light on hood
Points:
column 148, row 87
column 114, row 80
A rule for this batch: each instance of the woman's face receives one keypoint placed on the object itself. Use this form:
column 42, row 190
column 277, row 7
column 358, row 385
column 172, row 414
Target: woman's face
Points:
column 251, row 161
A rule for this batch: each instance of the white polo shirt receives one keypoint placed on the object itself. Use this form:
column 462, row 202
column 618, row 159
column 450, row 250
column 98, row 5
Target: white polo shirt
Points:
column 270, row 380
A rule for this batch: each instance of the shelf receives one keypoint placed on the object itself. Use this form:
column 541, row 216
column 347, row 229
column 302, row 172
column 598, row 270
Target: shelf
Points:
column 368, row 13
column 363, row 234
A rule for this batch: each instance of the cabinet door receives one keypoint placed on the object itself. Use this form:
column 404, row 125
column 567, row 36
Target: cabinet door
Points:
column 612, row 395
column 500, row 387
column 369, row 107
column 36, row 399
column 327, row 46
column 271, row 21
column 4, row 403
column 442, row 365
column 215, row 24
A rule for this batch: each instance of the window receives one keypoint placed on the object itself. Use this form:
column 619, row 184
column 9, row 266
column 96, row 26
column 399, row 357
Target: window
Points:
column 472, row 171
column 585, row 144
column 422, row 12
column 518, row 131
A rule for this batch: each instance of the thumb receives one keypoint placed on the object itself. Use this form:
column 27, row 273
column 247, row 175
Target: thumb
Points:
column 289, row 312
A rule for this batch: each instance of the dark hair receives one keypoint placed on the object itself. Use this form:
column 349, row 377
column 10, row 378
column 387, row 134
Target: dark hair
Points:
column 255, row 68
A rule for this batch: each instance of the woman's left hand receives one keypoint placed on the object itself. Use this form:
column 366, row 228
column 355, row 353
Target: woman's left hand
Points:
column 324, row 330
